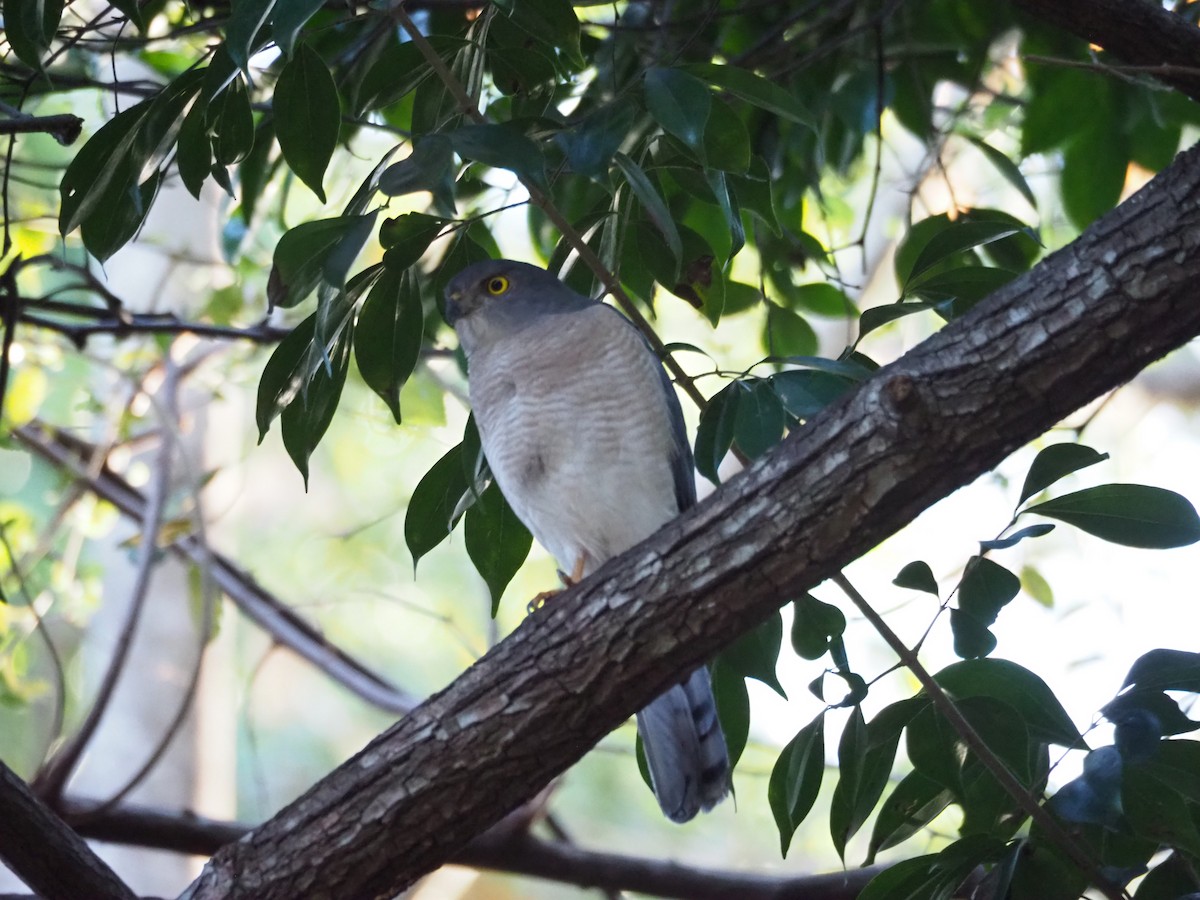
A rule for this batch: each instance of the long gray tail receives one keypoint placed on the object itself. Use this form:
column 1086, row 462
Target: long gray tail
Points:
column 685, row 748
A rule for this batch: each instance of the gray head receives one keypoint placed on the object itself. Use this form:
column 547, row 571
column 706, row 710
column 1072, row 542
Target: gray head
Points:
column 502, row 296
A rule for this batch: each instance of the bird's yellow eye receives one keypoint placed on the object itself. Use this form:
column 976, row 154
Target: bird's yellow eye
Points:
column 497, row 285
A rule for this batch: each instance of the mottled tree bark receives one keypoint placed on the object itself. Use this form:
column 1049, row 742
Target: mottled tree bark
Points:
column 1081, row 323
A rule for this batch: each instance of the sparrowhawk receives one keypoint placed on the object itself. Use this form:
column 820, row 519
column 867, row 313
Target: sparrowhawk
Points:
column 584, row 435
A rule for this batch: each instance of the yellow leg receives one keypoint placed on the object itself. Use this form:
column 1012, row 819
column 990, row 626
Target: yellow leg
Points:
column 568, row 581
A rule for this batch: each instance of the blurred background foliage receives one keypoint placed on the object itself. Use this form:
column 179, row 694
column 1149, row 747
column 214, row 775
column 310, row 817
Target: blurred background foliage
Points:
column 235, row 272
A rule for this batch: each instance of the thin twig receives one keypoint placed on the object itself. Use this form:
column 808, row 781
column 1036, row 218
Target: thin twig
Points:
column 1011, row 784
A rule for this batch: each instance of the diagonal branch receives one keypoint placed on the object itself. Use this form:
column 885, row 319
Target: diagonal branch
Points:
column 1082, row 322
column 256, row 603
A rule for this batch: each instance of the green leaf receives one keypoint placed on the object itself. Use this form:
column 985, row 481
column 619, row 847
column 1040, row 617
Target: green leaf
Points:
column 233, row 123
column 1157, row 812
column 788, row 334
column 194, row 156
column 726, row 199
column 1019, row 688
column 280, row 382
column 755, row 653
column 1134, row 515
column 909, row 879
column 430, row 515
column 815, row 626
column 112, row 225
column 878, row 316
column 726, row 141
column 955, row 239
column 652, row 203
column 733, row 709
column 1172, row 879
column 986, row 588
column 307, row 117
column 1165, row 670
column 301, row 255
column 1007, row 168
column 29, row 26
column 1033, row 531
column 758, row 425
column 496, row 541
column 915, row 802
column 593, row 142
column 430, row 167
column 754, row 89
column 388, row 336
column 289, row 18
column 823, row 298
column 804, row 393
column 406, row 238
column 857, row 777
column 501, row 146
column 1093, row 173
column 796, row 780
column 246, row 19
column 714, row 435
column 680, row 104
column 103, row 163
column 917, row 576
column 1055, row 462
column 304, row 421
column 552, row 22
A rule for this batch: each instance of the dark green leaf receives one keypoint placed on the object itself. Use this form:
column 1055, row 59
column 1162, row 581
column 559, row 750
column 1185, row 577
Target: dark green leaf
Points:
column 909, row 879
column 754, row 654
column 955, row 239
column 592, row 143
column 915, row 802
column 246, row 18
column 1093, row 173
column 343, row 254
column 112, row 225
column 1146, row 707
column 289, row 19
column 1165, row 670
column 680, row 103
column 845, row 807
column 194, row 156
column 1157, row 812
column 388, row 336
column 986, row 588
column 430, row 167
column 552, row 22
column 280, row 381
column 652, row 203
column 1134, row 515
column 878, row 316
column 823, row 299
column 796, row 780
column 917, row 576
column 804, row 393
column 1019, row 688
column 815, row 625
column 727, row 200
column 1055, row 462
column 307, row 117
column 29, row 26
column 1016, row 537
column 102, row 163
column 301, row 254
column 788, row 334
column 964, row 285
column 733, row 709
column 714, row 435
column 304, row 421
column 496, row 541
column 754, row 89
column 1173, row 879
column 758, row 425
column 430, row 515
column 726, row 141
column 406, row 238
column 233, row 122
column 503, row 147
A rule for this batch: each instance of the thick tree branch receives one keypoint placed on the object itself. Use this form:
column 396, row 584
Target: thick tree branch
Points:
column 64, row 128
column 47, row 855
column 1140, row 32
column 1082, row 322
